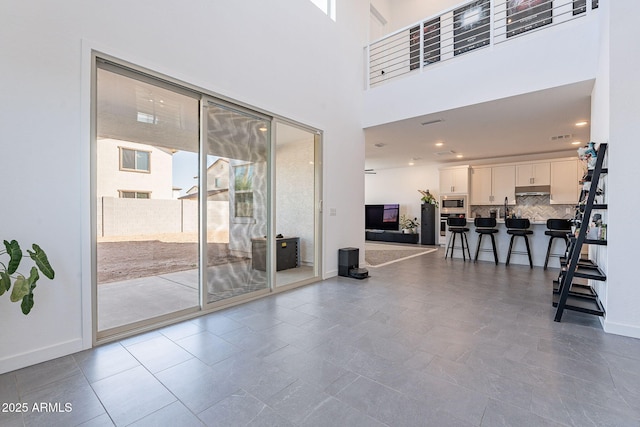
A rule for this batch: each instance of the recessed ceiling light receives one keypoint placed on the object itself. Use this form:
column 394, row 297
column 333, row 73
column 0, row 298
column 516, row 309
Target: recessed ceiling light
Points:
column 439, row 144
column 262, row 128
column 411, row 163
column 459, row 156
column 576, row 142
column 582, row 123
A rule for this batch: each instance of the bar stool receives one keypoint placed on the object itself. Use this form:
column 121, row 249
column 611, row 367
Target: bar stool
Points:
column 458, row 226
column 557, row 229
column 518, row 227
column 486, row 226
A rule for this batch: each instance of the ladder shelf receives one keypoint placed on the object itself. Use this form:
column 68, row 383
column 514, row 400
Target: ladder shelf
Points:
column 570, row 290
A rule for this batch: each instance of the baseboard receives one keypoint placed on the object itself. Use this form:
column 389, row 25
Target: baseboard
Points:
column 632, row 331
column 329, row 274
column 40, row 355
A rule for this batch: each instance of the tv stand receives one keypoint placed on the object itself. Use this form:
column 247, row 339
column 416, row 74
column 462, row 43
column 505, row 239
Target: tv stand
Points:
column 391, row 236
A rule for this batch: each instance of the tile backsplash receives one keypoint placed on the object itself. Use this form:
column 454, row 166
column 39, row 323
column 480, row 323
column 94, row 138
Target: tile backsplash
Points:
column 532, row 207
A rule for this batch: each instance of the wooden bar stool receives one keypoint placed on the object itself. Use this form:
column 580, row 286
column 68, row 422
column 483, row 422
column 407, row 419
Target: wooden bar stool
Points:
column 458, row 226
column 486, row 226
column 519, row 227
column 557, row 229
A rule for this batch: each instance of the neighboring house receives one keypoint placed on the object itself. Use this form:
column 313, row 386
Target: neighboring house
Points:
column 133, row 170
column 217, row 182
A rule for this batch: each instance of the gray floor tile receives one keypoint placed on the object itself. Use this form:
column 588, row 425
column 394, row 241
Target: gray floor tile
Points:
column 174, row 414
column 269, row 418
column 217, row 323
column 208, row 347
column 100, row 421
column 396, row 349
column 159, row 353
column 42, row 374
column 384, row 404
column 261, row 379
column 338, row 413
column 196, row 385
column 181, row 330
column 237, row 409
column 132, row 395
column 296, row 401
column 503, row 414
column 69, row 401
column 104, row 361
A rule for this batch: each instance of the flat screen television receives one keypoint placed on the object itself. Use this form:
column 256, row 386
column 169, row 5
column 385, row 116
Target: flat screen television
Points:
column 382, row 217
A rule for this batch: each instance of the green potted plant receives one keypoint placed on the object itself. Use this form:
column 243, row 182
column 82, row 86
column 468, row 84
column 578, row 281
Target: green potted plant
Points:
column 22, row 286
column 428, row 198
column 408, row 225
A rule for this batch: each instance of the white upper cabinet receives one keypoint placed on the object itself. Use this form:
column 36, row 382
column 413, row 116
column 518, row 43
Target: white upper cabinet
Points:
column 454, row 180
column 491, row 184
column 504, row 184
column 481, row 187
column 533, row 174
column 565, row 188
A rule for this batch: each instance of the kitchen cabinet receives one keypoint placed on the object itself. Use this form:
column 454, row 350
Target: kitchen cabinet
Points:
column 565, row 187
column 533, row 174
column 454, row 180
column 491, row 184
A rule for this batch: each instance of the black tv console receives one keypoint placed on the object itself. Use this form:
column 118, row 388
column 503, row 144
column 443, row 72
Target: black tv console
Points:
column 391, row 236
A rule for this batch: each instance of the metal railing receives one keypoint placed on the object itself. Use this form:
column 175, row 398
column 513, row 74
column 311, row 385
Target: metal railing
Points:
column 464, row 29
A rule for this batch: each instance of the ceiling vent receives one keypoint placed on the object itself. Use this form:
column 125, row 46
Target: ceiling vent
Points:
column 431, row 122
column 561, row 137
column 445, row 153
column 379, row 144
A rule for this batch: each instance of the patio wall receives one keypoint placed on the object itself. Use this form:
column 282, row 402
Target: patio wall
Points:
column 118, row 217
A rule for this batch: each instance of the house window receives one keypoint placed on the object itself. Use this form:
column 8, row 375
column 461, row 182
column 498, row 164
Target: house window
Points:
column 327, row 6
column 243, row 191
column 135, row 160
column 134, row 194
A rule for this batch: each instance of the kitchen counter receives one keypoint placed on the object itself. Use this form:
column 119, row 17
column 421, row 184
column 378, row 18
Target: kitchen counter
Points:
column 538, row 243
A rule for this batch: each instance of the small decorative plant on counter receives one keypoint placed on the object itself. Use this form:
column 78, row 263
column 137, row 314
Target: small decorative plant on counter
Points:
column 408, row 225
column 22, row 286
column 428, row 198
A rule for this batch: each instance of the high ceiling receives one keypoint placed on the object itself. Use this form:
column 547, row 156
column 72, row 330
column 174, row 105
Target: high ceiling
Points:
column 519, row 125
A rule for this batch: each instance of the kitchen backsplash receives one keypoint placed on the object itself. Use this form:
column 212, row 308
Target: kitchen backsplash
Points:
column 532, row 207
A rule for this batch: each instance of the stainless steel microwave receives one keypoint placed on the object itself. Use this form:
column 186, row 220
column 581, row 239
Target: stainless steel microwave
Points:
column 453, row 203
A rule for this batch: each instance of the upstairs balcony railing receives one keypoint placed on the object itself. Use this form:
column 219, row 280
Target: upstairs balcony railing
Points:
column 465, row 29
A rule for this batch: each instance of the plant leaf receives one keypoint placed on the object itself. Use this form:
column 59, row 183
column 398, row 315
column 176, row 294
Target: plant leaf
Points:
column 41, row 261
column 27, row 303
column 33, row 278
column 5, row 282
column 21, row 288
column 14, row 251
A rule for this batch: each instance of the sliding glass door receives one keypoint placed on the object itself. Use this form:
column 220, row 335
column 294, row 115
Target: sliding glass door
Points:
column 297, row 192
column 146, row 155
column 236, row 172
column 199, row 203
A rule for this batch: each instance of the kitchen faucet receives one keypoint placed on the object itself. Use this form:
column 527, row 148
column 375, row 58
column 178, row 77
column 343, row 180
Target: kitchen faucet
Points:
column 506, row 208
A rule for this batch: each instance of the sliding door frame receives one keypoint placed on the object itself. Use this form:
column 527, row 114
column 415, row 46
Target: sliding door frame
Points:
column 156, row 78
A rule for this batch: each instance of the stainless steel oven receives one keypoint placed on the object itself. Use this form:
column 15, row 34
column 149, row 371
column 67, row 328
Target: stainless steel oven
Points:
column 455, row 205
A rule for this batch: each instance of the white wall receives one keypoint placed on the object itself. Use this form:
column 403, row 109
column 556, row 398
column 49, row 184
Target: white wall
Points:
column 401, row 186
column 623, row 292
column 557, row 56
column 284, row 56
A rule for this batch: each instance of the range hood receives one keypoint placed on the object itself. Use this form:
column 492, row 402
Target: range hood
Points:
column 533, row 190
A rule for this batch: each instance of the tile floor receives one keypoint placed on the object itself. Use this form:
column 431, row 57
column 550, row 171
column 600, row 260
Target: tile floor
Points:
column 423, row 342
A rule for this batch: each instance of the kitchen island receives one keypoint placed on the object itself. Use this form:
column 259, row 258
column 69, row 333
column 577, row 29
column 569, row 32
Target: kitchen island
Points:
column 538, row 243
